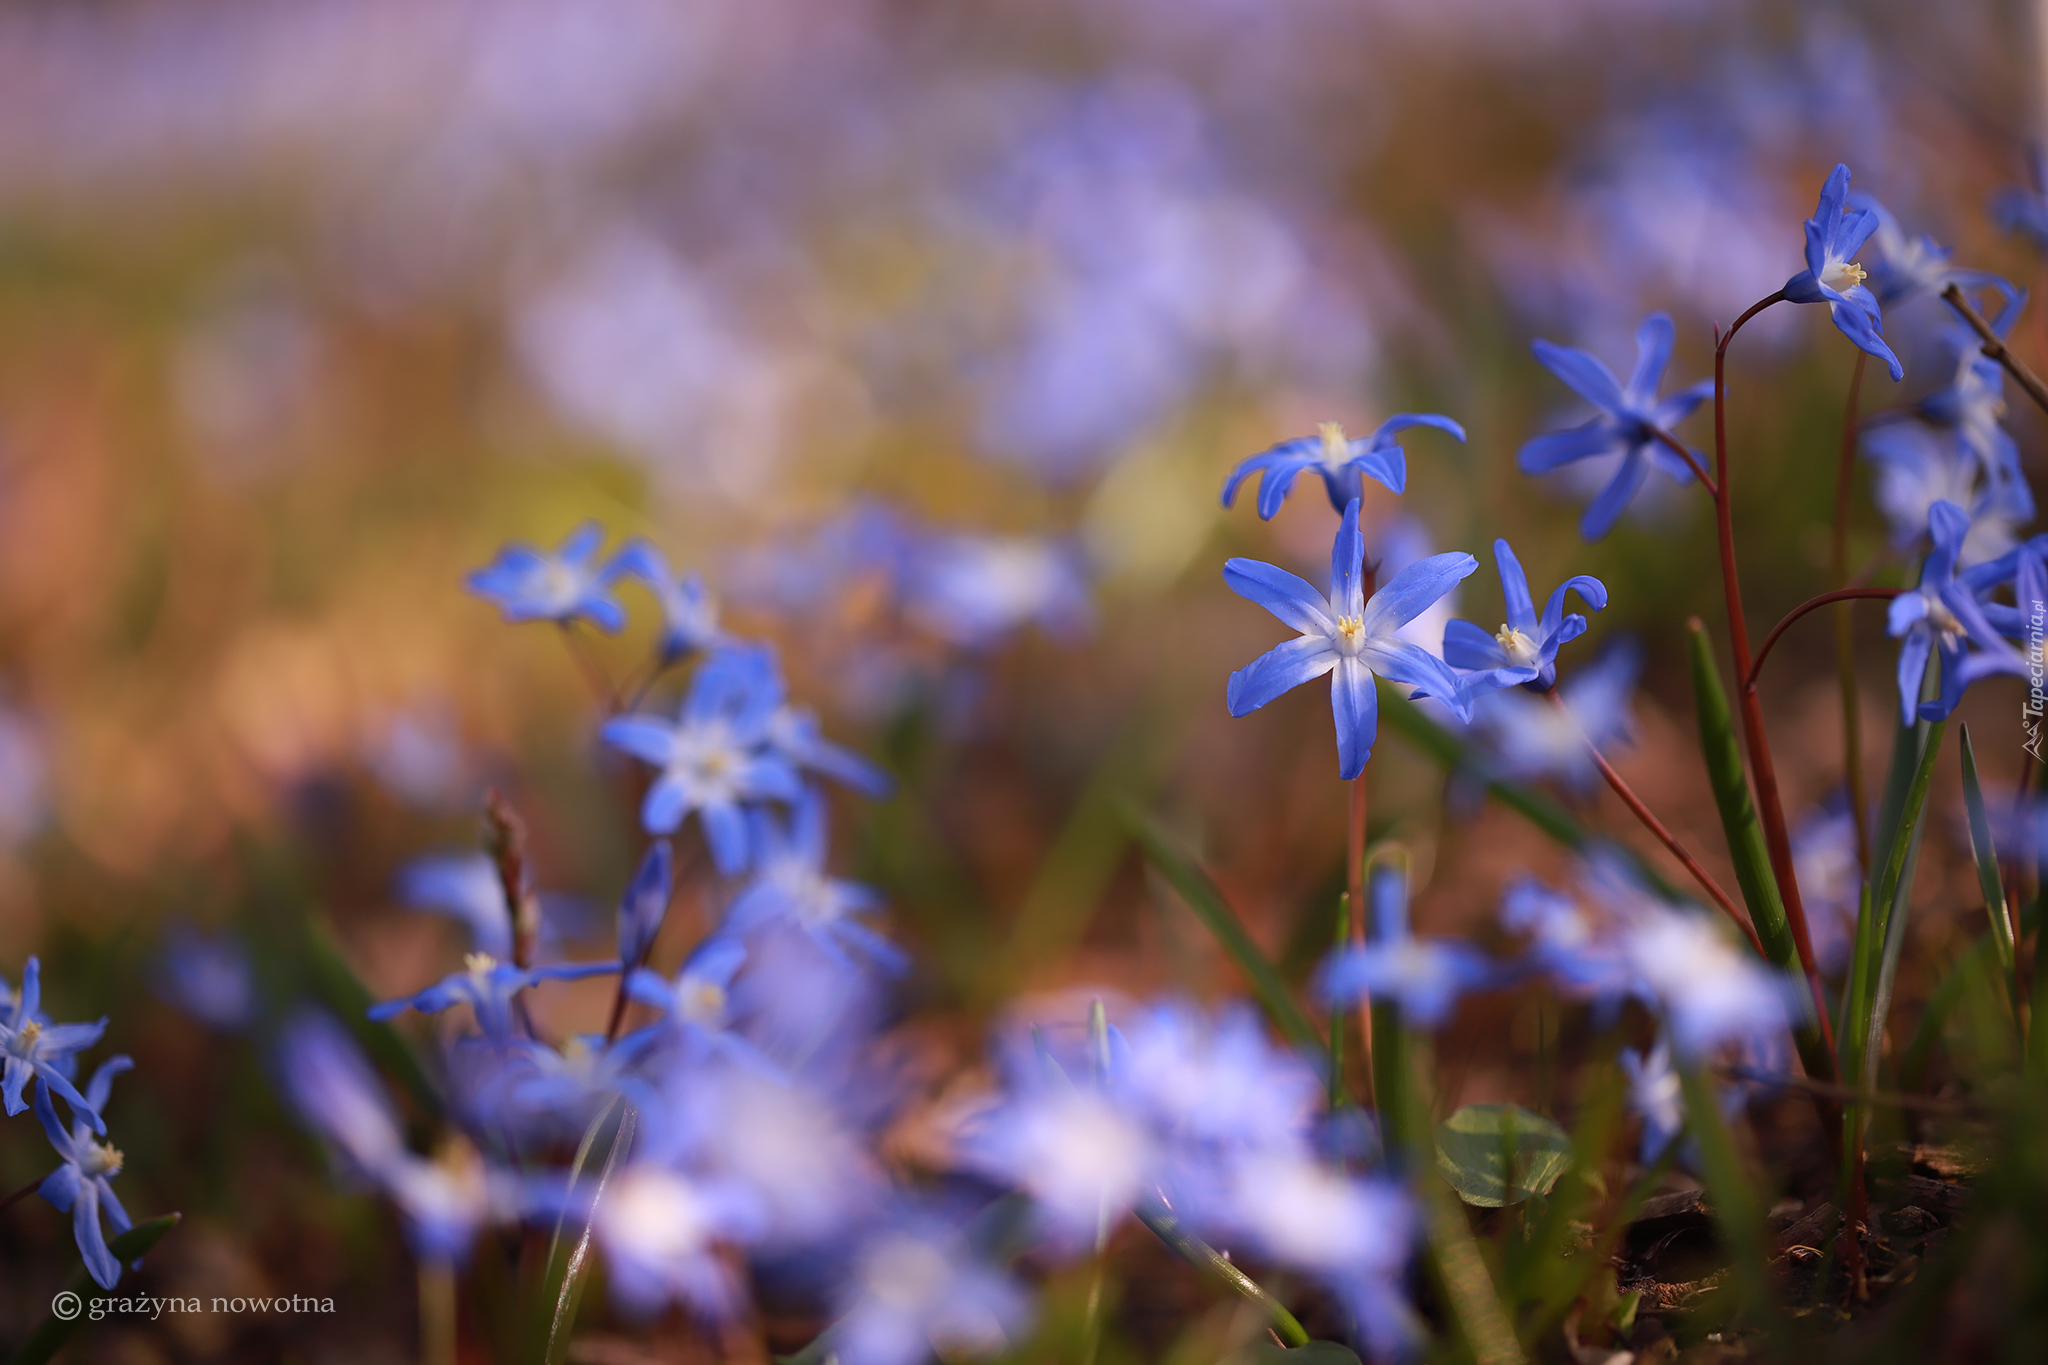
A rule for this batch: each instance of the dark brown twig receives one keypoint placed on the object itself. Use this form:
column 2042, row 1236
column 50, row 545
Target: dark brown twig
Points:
column 1995, row 347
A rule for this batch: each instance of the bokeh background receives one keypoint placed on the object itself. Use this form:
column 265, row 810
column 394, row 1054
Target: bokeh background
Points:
column 899, row 321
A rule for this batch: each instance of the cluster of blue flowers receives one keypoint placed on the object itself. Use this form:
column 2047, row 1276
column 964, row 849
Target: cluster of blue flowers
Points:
column 35, row 1051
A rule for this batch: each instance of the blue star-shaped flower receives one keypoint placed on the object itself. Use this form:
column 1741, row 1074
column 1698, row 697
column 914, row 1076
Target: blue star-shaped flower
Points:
column 689, row 614
column 79, row 1187
column 534, row 585
column 1907, row 266
column 30, row 1046
column 790, row 886
column 1424, row 976
column 2023, row 210
column 487, row 986
column 1627, row 425
column 714, row 758
column 1833, row 236
column 1347, row 637
column 1943, row 613
column 1524, row 650
column 1343, row 462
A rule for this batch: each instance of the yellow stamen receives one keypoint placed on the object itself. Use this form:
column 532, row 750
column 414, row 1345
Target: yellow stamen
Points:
column 1350, row 633
column 480, row 964
column 1520, row 649
column 1336, row 446
column 28, row 1034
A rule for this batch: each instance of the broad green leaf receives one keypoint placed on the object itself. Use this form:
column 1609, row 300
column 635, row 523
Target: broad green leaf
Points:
column 1722, row 750
column 1203, row 897
column 1476, row 1146
column 51, row 1334
column 1988, row 879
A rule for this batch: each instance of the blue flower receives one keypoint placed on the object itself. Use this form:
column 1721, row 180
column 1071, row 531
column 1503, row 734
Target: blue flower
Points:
column 558, row 1092
column 662, row 1232
column 465, row 887
column 32, row 1047
column 1531, row 737
column 533, row 585
column 1657, row 1097
column 1346, row 636
column 917, row 1287
column 2025, row 211
column 1972, row 405
column 1833, row 236
column 645, row 904
column 1342, row 461
column 1425, row 977
column 697, row 1002
column 1914, row 265
column 1627, row 424
column 974, row 590
column 1943, row 613
column 1919, row 465
column 1524, row 650
column 79, row 1187
column 790, row 886
column 794, row 732
column 487, row 986
column 689, row 615
column 209, row 977
column 714, row 757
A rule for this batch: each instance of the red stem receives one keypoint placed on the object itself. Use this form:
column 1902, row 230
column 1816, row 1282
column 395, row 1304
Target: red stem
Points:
column 1770, row 806
column 1678, row 446
column 1670, row 841
column 1839, row 595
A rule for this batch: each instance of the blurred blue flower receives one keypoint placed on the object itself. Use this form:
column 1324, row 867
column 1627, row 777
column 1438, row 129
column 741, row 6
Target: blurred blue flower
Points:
column 713, row 758
column 80, row 1186
column 1524, row 650
column 1344, row 462
column 916, row 1288
column 1833, row 236
column 1943, row 613
column 794, row 732
column 1628, row 421
column 32, row 1047
column 1346, row 636
column 1972, row 405
column 689, row 615
column 1082, row 1156
column 2022, row 210
column 645, row 904
column 209, row 977
column 568, row 584
column 697, row 1002
column 972, row 590
column 661, row 1231
column 790, row 885
column 557, row 1091
column 1425, row 977
column 1919, row 465
column 1657, row 1097
column 464, row 887
column 487, row 986
column 1527, row 737
column 1907, row 266
column 1830, row 880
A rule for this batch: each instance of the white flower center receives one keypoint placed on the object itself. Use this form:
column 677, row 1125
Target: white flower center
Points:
column 25, row 1037
column 700, row 1002
column 1842, row 276
column 480, row 965
column 1336, row 446
column 1350, row 636
column 1520, row 649
column 100, row 1160
column 1942, row 619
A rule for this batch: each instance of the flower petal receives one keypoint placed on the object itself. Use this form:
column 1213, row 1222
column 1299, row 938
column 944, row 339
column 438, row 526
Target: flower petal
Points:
column 1582, row 372
column 1415, row 590
column 1285, row 595
column 1547, row 452
column 1278, row 670
column 1355, row 702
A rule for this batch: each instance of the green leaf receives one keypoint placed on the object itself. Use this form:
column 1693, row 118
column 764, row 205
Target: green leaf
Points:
column 1723, row 754
column 1888, row 902
column 1203, row 897
column 1988, row 879
column 567, row 1275
column 1315, row 1353
column 1729, row 1191
column 1476, row 1146
column 51, row 1334
column 1166, row 1226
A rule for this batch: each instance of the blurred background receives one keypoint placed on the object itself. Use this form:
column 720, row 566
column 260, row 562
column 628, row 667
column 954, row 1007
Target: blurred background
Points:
column 927, row 332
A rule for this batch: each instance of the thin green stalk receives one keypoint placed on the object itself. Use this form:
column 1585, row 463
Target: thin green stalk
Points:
column 1728, row 1186
column 1166, row 1225
column 437, row 1313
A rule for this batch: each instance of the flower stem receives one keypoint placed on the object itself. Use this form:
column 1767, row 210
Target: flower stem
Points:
column 1670, row 841
column 1679, row 448
column 24, row 1192
column 1354, row 880
column 437, row 1314
column 1994, row 347
column 1810, row 604
column 1770, row 806
column 1845, row 634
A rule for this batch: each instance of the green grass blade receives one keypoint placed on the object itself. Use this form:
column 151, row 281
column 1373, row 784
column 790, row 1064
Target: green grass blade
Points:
column 1734, row 1199
column 1986, row 855
column 1206, row 900
column 1722, row 751
column 1167, row 1227
column 565, row 1287
column 1888, row 902
column 51, row 1334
